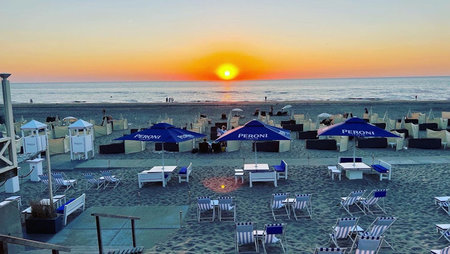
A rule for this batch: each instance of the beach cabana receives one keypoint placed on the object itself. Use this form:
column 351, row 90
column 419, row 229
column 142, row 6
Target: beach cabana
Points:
column 33, row 142
column 81, row 134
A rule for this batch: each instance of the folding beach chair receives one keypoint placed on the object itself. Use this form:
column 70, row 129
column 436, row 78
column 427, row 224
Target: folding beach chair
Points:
column 445, row 250
column 278, row 202
column 445, row 206
column 92, row 181
column 352, row 199
column 445, row 233
column 302, row 202
column 44, row 180
column 326, row 250
column 379, row 227
column 61, row 181
column 282, row 170
column 367, row 244
column 109, row 179
column 204, row 205
column 373, row 199
column 274, row 234
column 343, row 230
column 244, row 235
column 226, row 205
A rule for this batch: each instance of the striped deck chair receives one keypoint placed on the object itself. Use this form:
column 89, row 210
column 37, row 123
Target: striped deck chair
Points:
column 373, row 199
column 367, row 244
column 278, row 203
column 44, row 181
column 60, row 180
column 343, row 229
column 445, row 233
column 445, row 250
column 352, row 199
column 109, row 179
column 302, row 202
column 326, row 250
column 203, row 206
column 244, row 235
column 445, row 206
column 274, row 234
column 92, row 181
column 226, row 205
column 379, row 227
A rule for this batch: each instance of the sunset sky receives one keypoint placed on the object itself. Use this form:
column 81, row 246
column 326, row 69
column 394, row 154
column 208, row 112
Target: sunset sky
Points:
column 137, row 40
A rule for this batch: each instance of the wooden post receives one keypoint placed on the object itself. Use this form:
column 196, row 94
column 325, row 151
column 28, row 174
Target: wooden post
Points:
column 133, row 235
column 99, row 235
column 3, row 248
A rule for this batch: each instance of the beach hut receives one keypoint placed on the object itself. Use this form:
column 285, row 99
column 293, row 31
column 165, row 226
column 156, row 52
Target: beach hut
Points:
column 33, row 142
column 81, row 134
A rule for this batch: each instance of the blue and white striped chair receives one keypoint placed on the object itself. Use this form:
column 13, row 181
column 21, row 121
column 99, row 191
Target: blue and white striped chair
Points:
column 302, row 202
column 352, row 199
column 92, row 181
column 274, row 234
column 326, row 250
column 204, row 206
column 379, row 227
column 445, row 206
column 226, row 205
column 44, row 180
column 278, row 202
column 445, row 250
column 110, row 179
column 343, row 229
column 244, row 235
column 61, row 181
column 445, row 233
column 367, row 244
column 373, row 199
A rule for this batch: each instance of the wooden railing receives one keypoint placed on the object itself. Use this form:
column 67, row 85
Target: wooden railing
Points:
column 99, row 234
column 6, row 239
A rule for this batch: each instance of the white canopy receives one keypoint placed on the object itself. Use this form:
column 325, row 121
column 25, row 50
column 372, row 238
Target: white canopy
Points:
column 80, row 124
column 33, row 125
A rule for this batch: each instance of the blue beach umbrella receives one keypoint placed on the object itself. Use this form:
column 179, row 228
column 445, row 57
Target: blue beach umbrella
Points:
column 355, row 127
column 164, row 133
column 256, row 131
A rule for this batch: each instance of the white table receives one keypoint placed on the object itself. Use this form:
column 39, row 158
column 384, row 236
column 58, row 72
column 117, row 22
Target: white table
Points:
column 145, row 175
column 256, row 167
column 354, row 170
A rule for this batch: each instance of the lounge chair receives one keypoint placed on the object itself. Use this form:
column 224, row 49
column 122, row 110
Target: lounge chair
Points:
column 184, row 173
column 282, row 170
column 367, row 244
column 274, row 234
column 244, row 235
column 92, row 181
column 444, row 231
column 379, row 227
column 278, row 202
column 226, row 205
column 110, row 179
column 343, row 230
column 204, row 205
column 61, row 181
column 327, row 250
column 373, row 199
column 445, row 250
column 444, row 203
column 352, row 199
column 302, row 202
column 44, row 181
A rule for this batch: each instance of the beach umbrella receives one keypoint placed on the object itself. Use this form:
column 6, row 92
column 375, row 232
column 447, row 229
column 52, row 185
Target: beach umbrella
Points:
column 164, row 133
column 255, row 131
column 324, row 115
column 286, row 107
column 355, row 127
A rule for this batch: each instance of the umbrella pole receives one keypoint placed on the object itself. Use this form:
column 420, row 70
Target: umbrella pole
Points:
column 354, row 150
column 163, row 155
column 256, row 157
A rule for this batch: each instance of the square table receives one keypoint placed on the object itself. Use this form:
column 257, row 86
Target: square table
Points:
column 256, row 167
column 144, row 176
column 354, row 170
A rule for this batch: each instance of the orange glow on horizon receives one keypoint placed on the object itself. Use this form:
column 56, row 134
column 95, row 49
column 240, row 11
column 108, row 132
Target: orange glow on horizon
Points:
column 227, row 71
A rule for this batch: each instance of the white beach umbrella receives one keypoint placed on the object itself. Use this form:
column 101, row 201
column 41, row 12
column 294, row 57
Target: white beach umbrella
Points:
column 286, row 107
column 324, row 115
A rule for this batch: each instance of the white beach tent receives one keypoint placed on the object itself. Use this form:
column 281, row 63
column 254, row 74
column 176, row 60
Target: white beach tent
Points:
column 33, row 142
column 81, row 135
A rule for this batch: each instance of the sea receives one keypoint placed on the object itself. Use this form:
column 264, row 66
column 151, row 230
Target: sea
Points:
column 364, row 89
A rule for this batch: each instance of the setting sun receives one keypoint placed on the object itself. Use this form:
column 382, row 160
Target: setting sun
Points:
column 227, row 71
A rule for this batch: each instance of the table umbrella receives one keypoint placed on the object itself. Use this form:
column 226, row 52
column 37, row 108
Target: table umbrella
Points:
column 164, row 133
column 255, row 131
column 355, row 127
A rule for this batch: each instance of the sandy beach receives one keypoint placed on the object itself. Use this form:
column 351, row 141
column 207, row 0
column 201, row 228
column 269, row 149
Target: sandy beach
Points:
column 410, row 195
